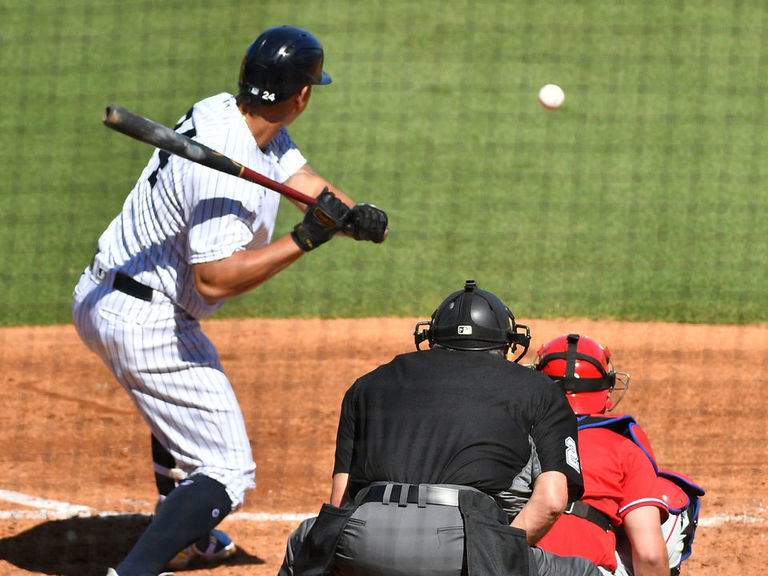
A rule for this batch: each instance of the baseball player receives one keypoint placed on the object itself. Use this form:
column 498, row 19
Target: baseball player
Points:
column 187, row 239
column 427, row 452
column 623, row 497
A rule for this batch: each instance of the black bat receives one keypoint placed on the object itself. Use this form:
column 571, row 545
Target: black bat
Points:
column 159, row 136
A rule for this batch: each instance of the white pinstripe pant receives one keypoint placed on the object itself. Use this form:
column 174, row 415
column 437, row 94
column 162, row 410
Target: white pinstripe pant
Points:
column 172, row 372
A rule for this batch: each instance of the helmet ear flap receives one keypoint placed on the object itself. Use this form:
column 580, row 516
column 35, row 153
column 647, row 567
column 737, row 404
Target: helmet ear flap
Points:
column 420, row 336
column 519, row 335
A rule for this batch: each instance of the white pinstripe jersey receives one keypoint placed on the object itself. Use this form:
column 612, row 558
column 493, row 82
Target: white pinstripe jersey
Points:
column 181, row 213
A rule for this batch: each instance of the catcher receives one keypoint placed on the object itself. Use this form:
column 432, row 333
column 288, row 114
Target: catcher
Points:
column 633, row 518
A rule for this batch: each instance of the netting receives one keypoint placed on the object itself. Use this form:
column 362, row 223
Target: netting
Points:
column 642, row 197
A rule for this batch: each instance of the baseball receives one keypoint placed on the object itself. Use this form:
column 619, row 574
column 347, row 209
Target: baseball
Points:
column 551, row 96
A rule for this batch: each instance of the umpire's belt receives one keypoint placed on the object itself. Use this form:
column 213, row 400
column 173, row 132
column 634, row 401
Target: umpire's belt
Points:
column 584, row 510
column 421, row 494
column 123, row 283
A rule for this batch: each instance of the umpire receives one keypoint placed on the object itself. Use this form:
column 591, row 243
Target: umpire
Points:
column 428, row 450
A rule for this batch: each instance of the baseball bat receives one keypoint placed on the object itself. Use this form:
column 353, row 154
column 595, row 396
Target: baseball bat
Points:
column 159, row 136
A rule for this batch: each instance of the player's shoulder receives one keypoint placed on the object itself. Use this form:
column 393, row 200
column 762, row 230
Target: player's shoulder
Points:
column 382, row 370
column 216, row 104
column 281, row 143
column 623, row 425
column 622, row 442
column 533, row 379
column 402, row 361
column 619, row 423
column 215, row 115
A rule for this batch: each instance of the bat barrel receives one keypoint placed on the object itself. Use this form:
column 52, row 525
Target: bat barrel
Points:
column 159, row 136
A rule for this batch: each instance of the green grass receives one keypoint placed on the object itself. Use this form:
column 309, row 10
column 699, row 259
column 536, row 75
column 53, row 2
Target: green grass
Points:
column 643, row 197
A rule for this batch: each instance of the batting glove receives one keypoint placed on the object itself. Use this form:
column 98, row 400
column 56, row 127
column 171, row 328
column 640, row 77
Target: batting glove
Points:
column 366, row 222
column 321, row 221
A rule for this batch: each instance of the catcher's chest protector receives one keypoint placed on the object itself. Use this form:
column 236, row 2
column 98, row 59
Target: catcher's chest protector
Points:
column 680, row 493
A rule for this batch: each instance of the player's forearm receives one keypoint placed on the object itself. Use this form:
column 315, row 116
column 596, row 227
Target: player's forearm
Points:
column 649, row 551
column 339, row 488
column 244, row 270
column 536, row 522
column 311, row 183
column 547, row 502
column 658, row 566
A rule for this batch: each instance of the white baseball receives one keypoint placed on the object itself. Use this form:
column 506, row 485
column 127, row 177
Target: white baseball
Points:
column 551, row 96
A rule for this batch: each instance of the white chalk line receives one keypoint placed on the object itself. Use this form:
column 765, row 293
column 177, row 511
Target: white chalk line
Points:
column 46, row 509
column 720, row 519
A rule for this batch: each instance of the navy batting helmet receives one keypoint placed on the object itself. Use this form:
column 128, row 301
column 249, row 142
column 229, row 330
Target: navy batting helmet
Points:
column 473, row 319
column 280, row 62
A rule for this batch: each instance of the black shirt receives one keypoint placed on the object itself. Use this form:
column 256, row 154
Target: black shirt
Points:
column 452, row 417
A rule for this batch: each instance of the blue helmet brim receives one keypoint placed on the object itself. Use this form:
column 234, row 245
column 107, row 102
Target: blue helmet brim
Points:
column 324, row 78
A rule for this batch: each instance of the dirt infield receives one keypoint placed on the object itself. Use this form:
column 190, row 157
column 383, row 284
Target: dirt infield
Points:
column 76, row 484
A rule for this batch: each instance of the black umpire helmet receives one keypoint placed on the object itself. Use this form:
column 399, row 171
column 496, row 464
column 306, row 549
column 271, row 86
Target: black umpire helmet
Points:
column 474, row 319
column 280, row 62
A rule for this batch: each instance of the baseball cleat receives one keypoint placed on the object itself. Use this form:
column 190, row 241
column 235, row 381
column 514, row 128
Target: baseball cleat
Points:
column 214, row 547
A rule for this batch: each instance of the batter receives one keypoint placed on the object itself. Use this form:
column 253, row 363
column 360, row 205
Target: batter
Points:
column 187, row 239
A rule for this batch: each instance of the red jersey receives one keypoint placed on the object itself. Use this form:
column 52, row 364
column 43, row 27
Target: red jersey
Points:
column 618, row 477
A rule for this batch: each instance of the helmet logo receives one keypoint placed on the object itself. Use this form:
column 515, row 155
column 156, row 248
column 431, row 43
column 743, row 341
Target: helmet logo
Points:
column 464, row 330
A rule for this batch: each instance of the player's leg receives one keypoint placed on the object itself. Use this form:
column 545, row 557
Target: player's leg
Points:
column 195, row 507
column 295, row 541
column 389, row 538
column 548, row 564
column 193, row 412
column 166, row 474
column 215, row 545
column 196, row 434
column 172, row 372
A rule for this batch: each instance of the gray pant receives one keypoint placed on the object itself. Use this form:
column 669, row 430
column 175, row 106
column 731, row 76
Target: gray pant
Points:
column 545, row 563
column 391, row 540
column 549, row 564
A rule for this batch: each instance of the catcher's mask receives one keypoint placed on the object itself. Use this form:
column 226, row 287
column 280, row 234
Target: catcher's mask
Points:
column 584, row 370
column 280, row 62
column 473, row 319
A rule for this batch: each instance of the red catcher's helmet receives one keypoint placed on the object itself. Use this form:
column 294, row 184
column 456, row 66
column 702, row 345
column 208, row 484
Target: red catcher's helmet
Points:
column 584, row 370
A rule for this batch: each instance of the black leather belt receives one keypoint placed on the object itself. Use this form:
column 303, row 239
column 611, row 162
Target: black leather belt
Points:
column 421, row 494
column 123, row 283
column 584, row 510
column 128, row 285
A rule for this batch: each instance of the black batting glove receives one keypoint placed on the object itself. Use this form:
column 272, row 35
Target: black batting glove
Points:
column 366, row 222
column 321, row 221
